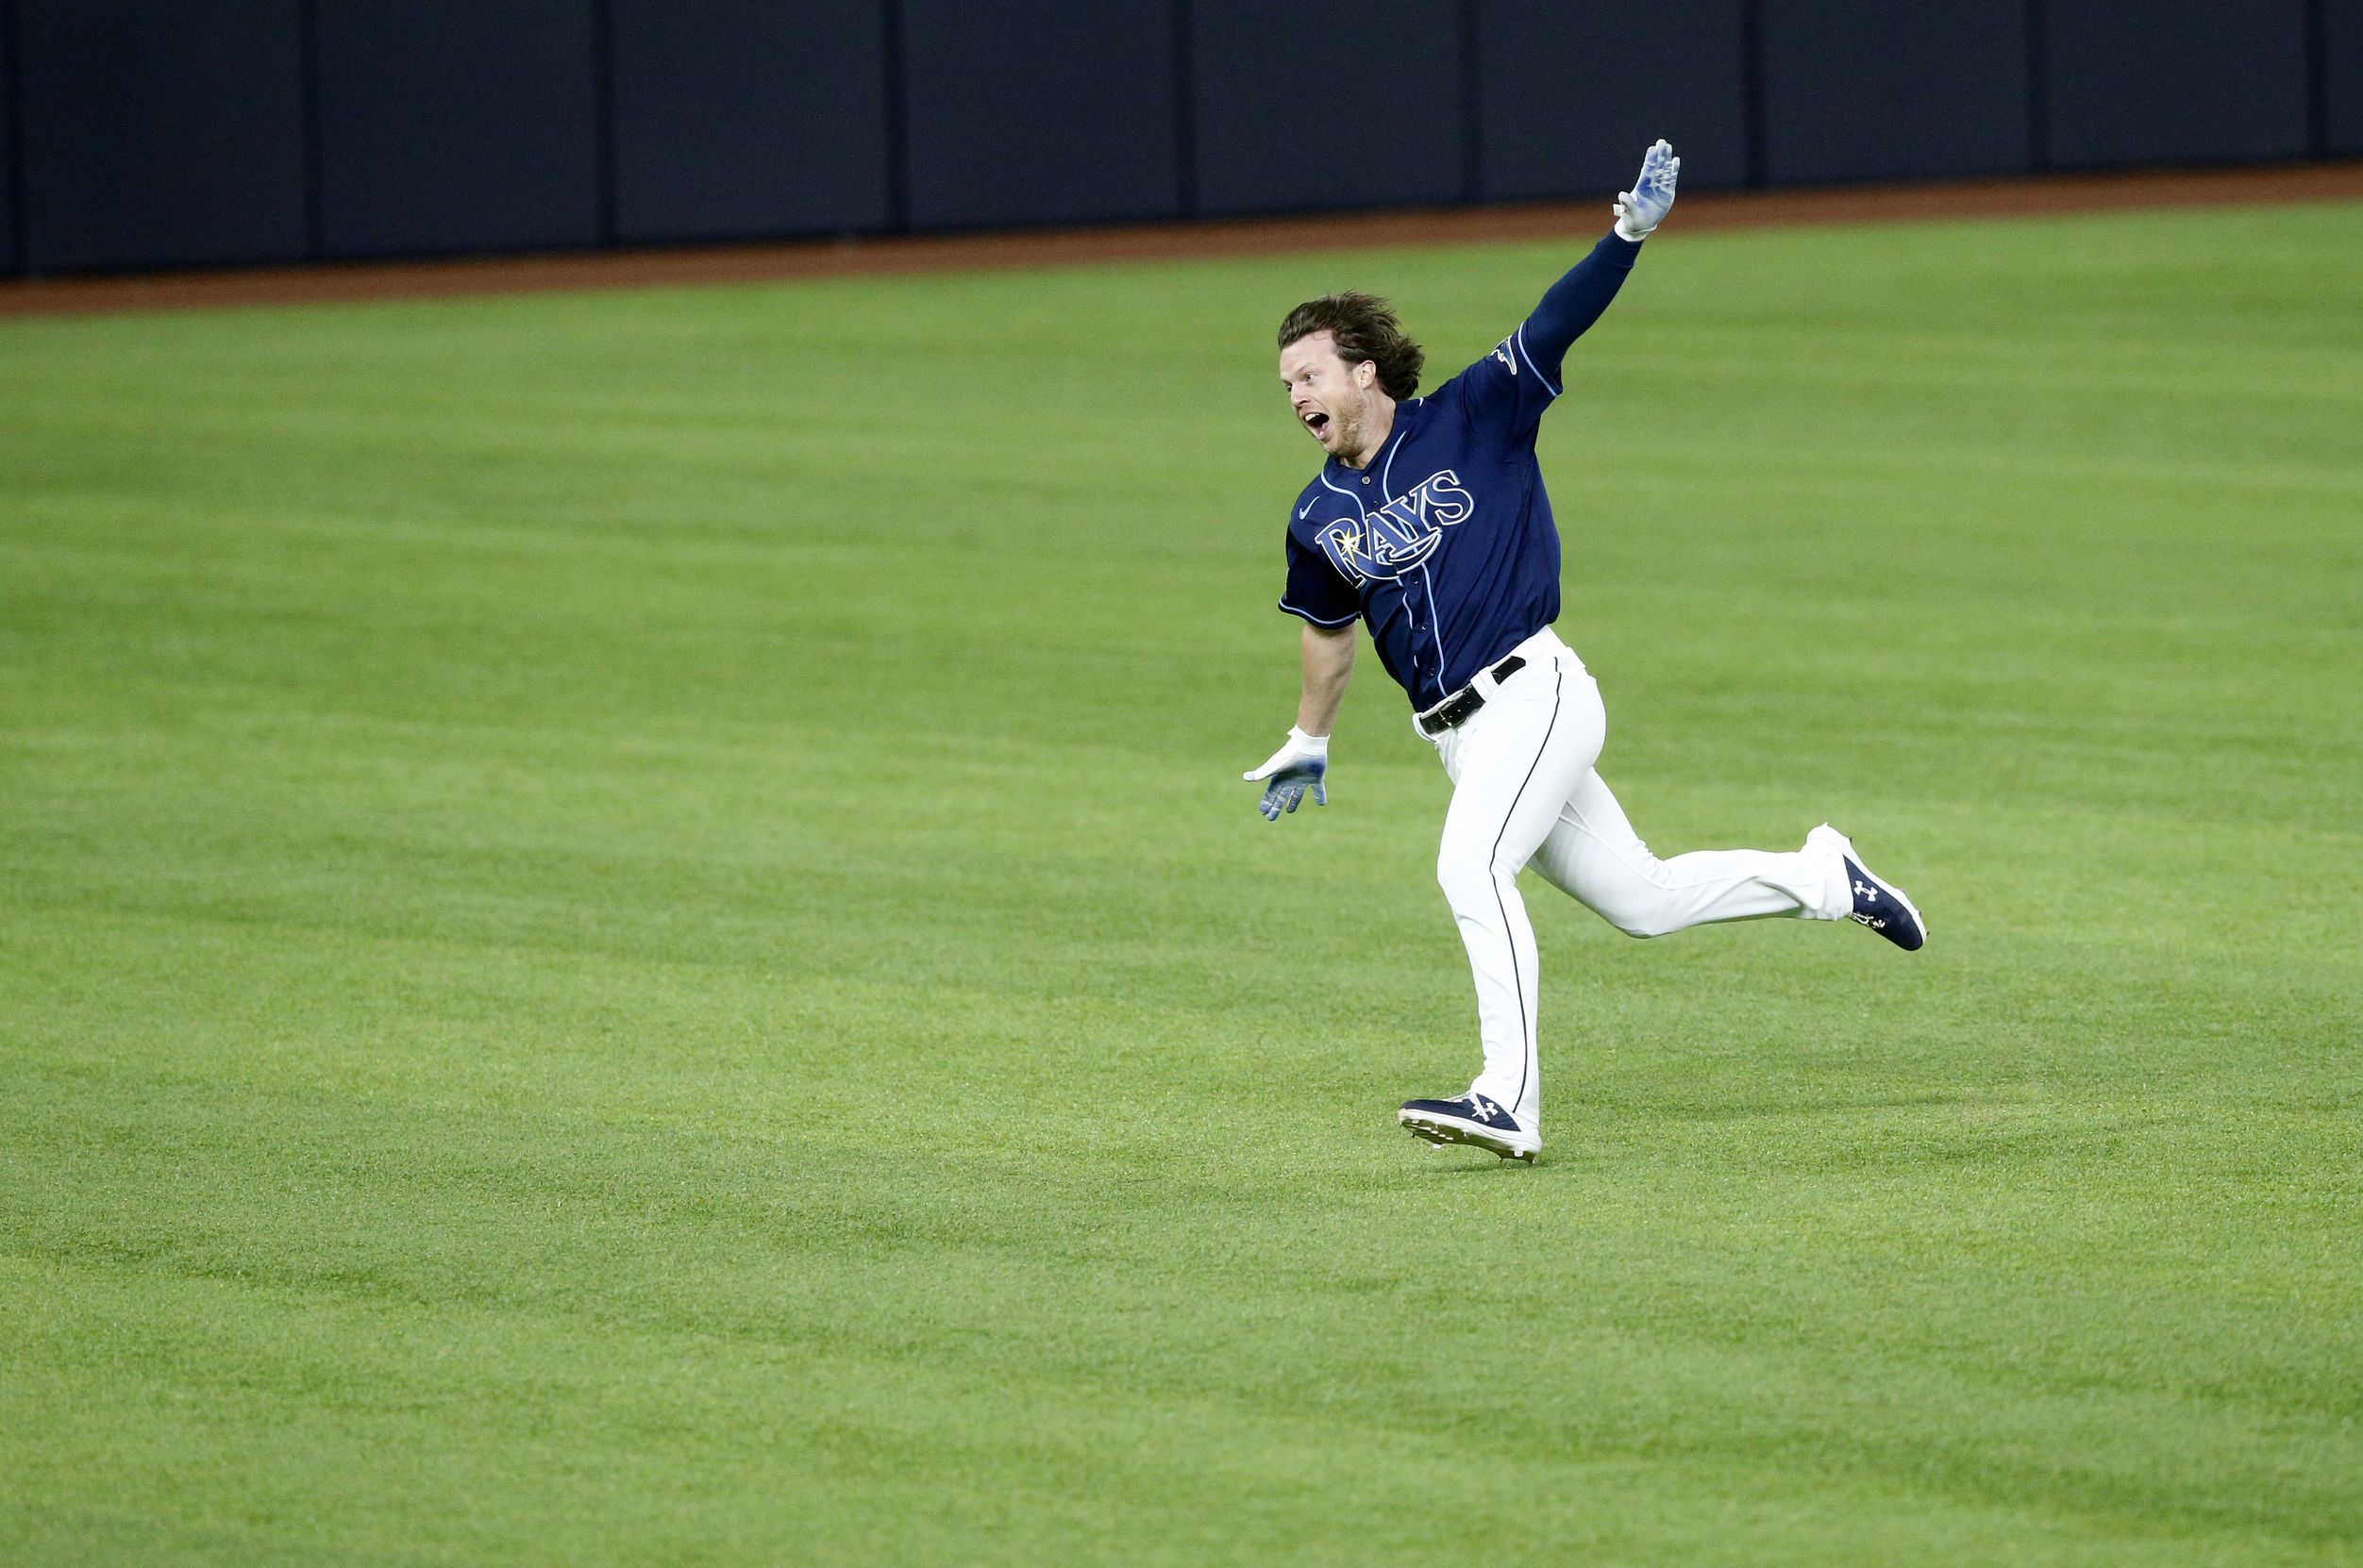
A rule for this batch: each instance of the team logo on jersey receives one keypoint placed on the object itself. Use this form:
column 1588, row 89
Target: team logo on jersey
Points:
column 1501, row 352
column 1400, row 535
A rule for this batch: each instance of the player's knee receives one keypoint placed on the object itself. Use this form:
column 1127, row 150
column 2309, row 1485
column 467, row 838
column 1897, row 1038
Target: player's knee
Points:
column 1640, row 917
column 1464, row 878
column 1453, row 877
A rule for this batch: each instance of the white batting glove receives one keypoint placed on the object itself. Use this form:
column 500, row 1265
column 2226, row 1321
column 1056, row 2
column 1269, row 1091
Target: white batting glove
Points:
column 1643, row 207
column 1299, row 766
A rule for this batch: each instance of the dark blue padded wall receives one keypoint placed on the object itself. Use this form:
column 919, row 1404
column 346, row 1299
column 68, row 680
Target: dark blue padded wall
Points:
column 1871, row 89
column 1295, row 106
column 2342, row 77
column 457, row 126
column 1572, row 94
column 157, row 133
column 740, row 118
column 1060, row 111
column 8, row 151
column 2161, row 82
column 160, row 133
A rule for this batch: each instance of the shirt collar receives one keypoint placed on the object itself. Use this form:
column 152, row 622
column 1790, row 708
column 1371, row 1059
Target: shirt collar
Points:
column 1406, row 415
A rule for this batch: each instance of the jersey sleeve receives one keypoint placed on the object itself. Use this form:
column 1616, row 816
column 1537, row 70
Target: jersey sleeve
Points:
column 1513, row 385
column 1315, row 591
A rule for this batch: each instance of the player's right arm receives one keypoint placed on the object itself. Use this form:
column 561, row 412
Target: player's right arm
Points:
column 1327, row 658
column 1328, row 607
column 1301, row 764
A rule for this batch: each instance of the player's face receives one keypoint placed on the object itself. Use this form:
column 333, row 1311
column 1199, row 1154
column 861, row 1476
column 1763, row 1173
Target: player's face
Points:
column 1331, row 398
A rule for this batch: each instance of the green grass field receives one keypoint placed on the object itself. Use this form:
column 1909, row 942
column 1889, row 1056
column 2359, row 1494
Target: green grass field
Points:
column 628, row 931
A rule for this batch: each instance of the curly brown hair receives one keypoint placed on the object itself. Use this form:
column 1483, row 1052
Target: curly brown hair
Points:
column 1364, row 329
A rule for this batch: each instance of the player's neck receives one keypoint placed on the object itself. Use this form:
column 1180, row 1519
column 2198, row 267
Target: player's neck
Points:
column 1374, row 438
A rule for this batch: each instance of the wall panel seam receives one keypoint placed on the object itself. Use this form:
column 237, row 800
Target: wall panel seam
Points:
column 2318, row 77
column 1184, row 115
column 603, row 118
column 12, row 54
column 1755, row 113
column 2039, row 88
column 1471, row 80
column 898, row 120
column 307, row 68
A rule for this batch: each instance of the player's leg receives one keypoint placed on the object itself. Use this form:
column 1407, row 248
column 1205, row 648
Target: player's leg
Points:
column 1513, row 767
column 1592, row 854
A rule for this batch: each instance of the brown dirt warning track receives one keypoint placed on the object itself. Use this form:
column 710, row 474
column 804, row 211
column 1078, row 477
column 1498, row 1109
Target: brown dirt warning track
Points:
column 1701, row 213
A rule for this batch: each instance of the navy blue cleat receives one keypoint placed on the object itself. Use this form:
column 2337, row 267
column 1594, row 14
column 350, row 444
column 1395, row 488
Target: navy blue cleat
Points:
column 1473, row 1120
column 1880, row 905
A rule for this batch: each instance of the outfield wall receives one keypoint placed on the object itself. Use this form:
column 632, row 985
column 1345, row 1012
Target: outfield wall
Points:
column 142, row 134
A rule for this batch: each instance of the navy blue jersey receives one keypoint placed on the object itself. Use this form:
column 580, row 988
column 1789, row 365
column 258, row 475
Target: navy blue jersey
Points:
column 1444, row 544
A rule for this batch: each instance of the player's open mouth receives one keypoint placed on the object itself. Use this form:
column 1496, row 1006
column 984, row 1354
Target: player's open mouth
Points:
column 1317, row 422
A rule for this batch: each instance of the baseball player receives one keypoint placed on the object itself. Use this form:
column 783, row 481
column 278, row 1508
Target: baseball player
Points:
column 1428, row 524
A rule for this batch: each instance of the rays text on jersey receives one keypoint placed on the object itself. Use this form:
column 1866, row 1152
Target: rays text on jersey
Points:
column 1401, row 534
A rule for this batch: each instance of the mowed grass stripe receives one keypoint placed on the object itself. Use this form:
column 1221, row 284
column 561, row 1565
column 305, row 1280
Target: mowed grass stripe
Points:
column 629, row 932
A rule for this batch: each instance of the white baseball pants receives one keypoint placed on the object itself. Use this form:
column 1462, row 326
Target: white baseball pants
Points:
column 1524, row 794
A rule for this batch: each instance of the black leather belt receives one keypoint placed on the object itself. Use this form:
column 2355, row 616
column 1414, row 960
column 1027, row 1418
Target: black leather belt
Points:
column 1462, row 706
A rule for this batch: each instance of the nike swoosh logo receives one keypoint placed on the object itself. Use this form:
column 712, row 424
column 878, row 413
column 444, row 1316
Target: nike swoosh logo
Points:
column 1307, row 512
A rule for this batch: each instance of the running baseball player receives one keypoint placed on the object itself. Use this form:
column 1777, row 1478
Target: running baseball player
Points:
column 1428, row 524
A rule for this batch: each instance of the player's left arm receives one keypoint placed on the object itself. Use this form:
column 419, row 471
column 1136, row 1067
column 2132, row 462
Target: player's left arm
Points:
column 1576, row 301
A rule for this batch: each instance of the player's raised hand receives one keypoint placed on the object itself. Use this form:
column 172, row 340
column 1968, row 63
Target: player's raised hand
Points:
column 1296, row 767
column 1643, row 207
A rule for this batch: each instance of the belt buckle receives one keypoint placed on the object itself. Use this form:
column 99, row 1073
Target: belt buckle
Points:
column 1462, row 706
column 1452, row 713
